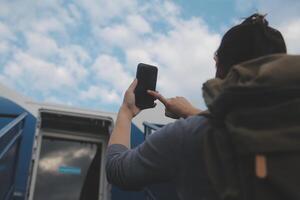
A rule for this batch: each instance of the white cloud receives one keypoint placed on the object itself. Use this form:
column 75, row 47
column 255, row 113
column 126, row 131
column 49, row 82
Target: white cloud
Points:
column 44, row 67
column 56, row 10
column 138, row 54
column 26, row 14
column 80, row 54
column 38, row 75
column 7, row 37
column 75, row 12
column 138, row 24
column 4, row 47
column 48, row 25
column 243, row 6
column 44, row 60
column 279, row 12
column 285, row 17
column 41, row 45
column 110, row 70
column 186, row 57
column 101, row 94
column 102, row 11
column 96, row 44
column 117, row 35
column 5, row 32
column 171, row 8
column 183, row 50
column 161, row 11
column 16, row 11
column 291, row 33
column 131, row 32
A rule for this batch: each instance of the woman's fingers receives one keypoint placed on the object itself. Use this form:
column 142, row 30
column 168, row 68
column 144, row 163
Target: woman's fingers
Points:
column 158, row 96
column 133, row 85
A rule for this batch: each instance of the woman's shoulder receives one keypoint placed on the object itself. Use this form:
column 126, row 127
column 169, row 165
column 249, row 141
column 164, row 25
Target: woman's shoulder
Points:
column 195, row 128
column 195, row 121
column 180, row 130
column 193, row 124
column 186, row 125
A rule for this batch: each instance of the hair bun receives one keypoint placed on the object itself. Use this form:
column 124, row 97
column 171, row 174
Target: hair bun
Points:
column 256, row 19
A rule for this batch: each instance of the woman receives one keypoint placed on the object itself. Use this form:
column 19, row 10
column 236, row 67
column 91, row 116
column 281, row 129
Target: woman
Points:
column 172, row 153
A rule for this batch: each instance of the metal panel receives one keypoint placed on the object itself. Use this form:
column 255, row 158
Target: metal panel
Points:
column 9, row 144
column 7, row 171
column 10, row 110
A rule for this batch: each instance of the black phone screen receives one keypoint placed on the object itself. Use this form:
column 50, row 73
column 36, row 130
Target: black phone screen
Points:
column 147, row 77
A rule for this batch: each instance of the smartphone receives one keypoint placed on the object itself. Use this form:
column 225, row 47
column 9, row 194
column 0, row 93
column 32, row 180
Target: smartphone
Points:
column 147, row 77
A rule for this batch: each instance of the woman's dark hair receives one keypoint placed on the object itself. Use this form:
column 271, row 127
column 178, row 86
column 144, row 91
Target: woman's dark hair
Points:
column 251, row 39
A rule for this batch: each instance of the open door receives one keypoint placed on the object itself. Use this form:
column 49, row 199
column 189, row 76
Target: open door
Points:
column 70, row 153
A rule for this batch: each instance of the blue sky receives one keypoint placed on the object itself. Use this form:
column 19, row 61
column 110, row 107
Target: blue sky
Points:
column 84, row 53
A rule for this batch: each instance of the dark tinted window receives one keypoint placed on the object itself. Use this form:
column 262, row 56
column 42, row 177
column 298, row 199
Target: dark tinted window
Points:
column 63, row 168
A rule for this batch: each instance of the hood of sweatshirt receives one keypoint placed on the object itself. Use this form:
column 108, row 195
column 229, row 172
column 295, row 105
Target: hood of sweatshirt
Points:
column 259, row 103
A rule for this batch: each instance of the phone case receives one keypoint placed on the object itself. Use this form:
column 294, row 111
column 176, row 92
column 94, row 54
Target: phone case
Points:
column 147, row 77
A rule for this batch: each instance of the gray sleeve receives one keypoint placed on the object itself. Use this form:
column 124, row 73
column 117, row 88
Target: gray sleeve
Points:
column 156, row 160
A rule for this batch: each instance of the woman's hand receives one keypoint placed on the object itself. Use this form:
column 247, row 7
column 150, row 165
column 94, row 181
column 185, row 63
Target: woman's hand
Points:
column 129, row 100
column 176, row 107
column 121, row 131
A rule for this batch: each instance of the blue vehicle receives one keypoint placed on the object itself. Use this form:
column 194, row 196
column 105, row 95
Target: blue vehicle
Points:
column 56, row 152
